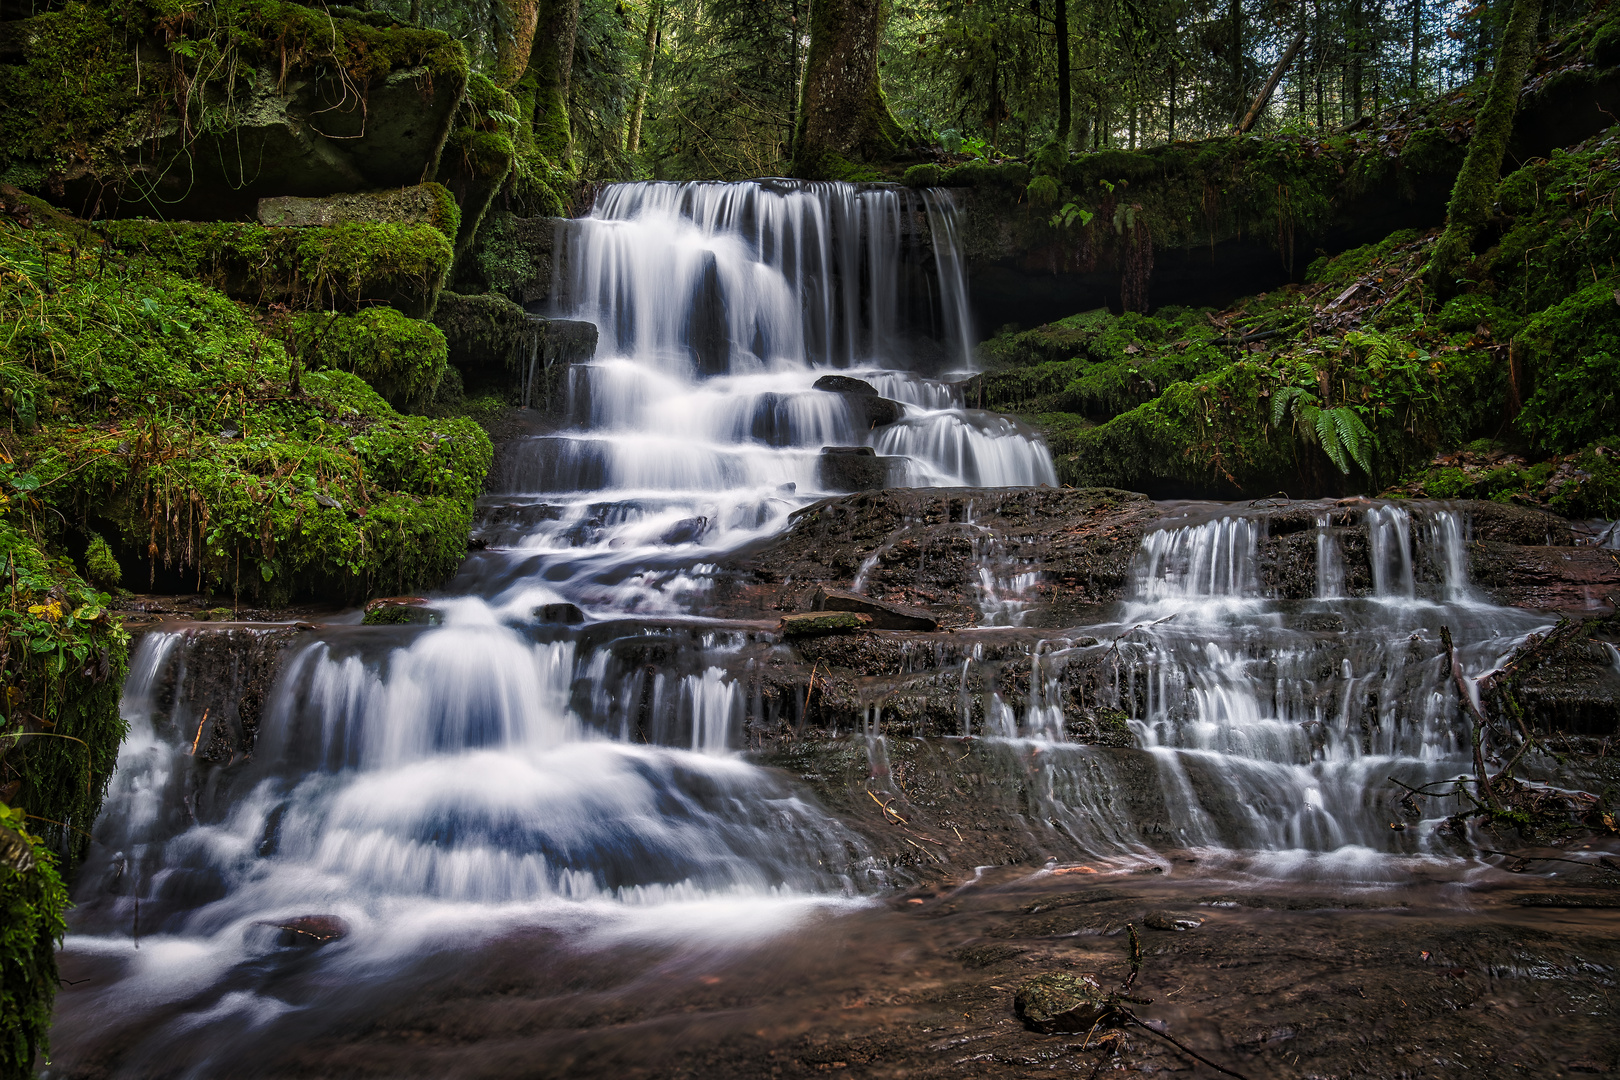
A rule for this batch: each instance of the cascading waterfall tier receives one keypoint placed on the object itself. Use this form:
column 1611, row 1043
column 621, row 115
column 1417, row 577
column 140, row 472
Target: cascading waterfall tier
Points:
column 699, row 426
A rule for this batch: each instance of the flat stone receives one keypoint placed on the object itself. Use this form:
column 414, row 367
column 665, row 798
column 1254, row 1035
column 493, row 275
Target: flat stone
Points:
column 1058, row 1002
column 686, row 531
column 1173, row 920
column 811, row 623
column 399, row 611
column 884, row 615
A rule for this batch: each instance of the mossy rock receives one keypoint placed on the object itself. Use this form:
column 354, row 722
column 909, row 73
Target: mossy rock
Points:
column 922, row 176
column 1574, row 351
column 423, row 204
column 338, row 267
column 816, row 623
column 1057, row 1002
column 399, row 611
column 283, row 99
column 100, row 564
column 403, row 359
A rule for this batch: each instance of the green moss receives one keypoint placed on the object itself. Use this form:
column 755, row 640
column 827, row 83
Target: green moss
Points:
column 483, row 333
column 100, row 564
column 929, row 175
column 1574, row 354
column 341, row 266
column 166, row 412
column 403, row 359
column 32, row 899
column 1043, row 191
column 1463, row 314
column 430, row 203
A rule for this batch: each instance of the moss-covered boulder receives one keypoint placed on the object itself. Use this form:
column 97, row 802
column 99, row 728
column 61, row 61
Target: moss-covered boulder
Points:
column 202, row 112
column 160, row 414
column 338, row 267
column 421, row 204
column 403, row 359
column 512, row 256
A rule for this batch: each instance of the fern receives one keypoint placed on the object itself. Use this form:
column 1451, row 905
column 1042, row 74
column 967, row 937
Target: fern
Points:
column 1339, row 432
column 1353, row 437
column 1288, row 399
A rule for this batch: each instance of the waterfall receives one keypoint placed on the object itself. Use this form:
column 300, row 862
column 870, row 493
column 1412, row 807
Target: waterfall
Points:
column 699, row 423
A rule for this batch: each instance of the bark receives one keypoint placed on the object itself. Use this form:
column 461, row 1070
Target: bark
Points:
column 1357, row 57
column 1065, row 108
column 844, row 116
column 1264, row 97
column 551, row 63
column 1475, row 188
column 655, row 15
column 512, row 53
column 1417, row 36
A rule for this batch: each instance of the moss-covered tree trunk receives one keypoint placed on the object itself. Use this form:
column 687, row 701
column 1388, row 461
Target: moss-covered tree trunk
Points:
column 512, row 56
column 655, row 16
column 845, row 117
column 551, row 64
column 1472, row 194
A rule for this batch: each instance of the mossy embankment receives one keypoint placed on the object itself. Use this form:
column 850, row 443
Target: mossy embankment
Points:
column 1358, row 379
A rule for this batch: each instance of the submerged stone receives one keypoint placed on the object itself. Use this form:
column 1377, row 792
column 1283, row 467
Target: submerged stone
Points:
column 309, row 931
column 852, row 468
column 884, row 615
column 564, row 612
column 823, row 622
column 1058, row 1002
column 1173, row 920
column 399, row 611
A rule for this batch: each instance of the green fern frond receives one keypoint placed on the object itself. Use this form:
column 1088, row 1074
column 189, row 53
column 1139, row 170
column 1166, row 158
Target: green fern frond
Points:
column 1354, row 437
column 1327, row 436
column 1289, row 399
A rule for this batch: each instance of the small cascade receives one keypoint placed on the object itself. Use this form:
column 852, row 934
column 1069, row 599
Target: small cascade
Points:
column 1257, row 744
column 1389, row 543
column 1212, row 561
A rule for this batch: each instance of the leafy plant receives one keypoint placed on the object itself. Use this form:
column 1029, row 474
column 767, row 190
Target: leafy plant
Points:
column 1069, row 214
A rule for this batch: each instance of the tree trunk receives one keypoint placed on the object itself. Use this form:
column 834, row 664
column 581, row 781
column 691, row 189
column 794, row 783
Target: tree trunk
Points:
column 1271, row 84
column 1475, row 188
column 655, row 16
column 1170, row 127
column 1417, row 36
column 551, row 63
column 1356, row 59
column 1239, row 96
column 845, row 116
column 512, row 53
column 1065, row 108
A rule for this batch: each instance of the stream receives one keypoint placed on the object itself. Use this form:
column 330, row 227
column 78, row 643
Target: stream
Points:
column 511, row 842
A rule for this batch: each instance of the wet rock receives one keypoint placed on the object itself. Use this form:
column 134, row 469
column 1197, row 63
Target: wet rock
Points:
column 812, row 623
column 16, row 853
column 983, row 956
column 218, row 614
column 565, row 613
column 309, row 931
column 1058, row 1002
column 686, row 531
column 1553, row 577
column 884, row 615
column 851, row 468
column 399, row 611
column 1173, row 920
column 843, row 384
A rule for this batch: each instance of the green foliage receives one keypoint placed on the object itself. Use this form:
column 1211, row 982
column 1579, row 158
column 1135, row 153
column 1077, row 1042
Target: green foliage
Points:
column 32, row 900
column 62, row 662
column 928, row 175
column 1339, row 431
column 179, row 421
column 403, row 359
